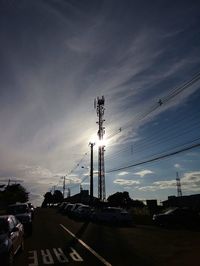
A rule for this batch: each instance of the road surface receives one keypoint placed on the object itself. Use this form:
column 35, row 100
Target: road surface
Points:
column 59, row 240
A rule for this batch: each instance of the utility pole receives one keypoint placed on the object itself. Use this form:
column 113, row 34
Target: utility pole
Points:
column 178, row 185
column 68, row 193
column 81, row 188
column 99, row 105
column 63, row 187
column 91, row 171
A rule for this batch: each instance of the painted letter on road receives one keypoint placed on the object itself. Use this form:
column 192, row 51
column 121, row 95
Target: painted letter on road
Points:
column 60, row 255
column 75, row 256
column 46, row 257
column 33, row 257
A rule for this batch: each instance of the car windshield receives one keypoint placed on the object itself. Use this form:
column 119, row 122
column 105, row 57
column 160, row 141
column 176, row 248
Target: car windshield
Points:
column 3, row 226
column 17, row 209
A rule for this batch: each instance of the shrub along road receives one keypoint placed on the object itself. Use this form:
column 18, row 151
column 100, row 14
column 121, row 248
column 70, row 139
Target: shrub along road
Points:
column 58, row 240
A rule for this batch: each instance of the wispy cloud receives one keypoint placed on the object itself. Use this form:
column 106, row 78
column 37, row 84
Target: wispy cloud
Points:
column 189, row 183
column 123, row 173
column 126, row 182
column 81, row 52
column 144, row 172
column 177, row 165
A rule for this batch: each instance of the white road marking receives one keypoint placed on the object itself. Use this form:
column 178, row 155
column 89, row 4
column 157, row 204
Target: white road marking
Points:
column 60, row 255
column 74, row 255
column 87, row 247
column 47, row 257
column 34, row 257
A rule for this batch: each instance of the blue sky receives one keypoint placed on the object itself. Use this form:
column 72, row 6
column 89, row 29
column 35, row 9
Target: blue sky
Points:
column 56, row 56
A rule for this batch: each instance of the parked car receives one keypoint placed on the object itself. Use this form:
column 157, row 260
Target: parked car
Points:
column 83, row 212
column 71, row 213
column 62, row 207
column 68, row 208
column 113, row 215
column 23, row 214
column 11, row 238
column 177, row 216
column 32, row 209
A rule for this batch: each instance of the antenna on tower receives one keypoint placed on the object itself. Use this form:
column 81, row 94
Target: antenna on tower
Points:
column 99, row 103
column 178, row 185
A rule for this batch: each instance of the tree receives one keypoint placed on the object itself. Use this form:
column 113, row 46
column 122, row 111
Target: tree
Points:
column 123, row 199
column 48, row 199
column 57, row 196
column 120, row 199
column 14, row 193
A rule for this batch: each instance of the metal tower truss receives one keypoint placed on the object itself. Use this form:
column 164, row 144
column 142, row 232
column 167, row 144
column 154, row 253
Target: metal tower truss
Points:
column 178, row 185
column 99, row 105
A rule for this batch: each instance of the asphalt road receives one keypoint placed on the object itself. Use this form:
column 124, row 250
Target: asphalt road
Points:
column 58, row 240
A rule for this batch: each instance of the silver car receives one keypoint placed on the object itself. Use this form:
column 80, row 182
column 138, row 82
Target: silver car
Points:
column 11, row 238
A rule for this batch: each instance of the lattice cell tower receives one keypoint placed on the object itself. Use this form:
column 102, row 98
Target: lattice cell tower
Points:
column 99, row 105
column 178, row 185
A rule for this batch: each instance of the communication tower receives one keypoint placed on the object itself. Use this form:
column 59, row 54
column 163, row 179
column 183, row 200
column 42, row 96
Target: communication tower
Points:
column 99, row 106
column 178, row 185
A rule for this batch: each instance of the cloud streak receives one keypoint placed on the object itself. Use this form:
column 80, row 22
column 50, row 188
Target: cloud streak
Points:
column 126, row 182
column 58, row 56
column 189, row 183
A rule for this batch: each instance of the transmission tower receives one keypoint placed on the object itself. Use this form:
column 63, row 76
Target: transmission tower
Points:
column 178, row 185
column 99, row 105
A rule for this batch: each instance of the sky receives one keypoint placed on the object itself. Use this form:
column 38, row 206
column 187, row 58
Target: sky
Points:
column 57, row 56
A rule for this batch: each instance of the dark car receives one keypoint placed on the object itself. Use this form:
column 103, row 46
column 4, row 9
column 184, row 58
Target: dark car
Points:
column 62, row 207
column 23, row 214
column 32, row 209
column 83, row 212
column 11, row 238
column 177, row 217
column 112, row 215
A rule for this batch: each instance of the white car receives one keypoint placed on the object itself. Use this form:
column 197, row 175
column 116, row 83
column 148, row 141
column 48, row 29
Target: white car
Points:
column 11, row 238
column 112, row 215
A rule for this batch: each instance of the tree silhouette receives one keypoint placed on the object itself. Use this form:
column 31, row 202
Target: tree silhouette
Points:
column 14, row 193
column 57, row 196
column 48, row 199
column 123, row 199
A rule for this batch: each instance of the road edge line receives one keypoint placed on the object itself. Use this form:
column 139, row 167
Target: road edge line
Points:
column 87, row 247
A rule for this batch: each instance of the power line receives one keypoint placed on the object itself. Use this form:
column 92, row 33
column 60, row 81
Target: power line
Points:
column 165, row 133
column 156, row 158
column 173, row 93
column 154, row 142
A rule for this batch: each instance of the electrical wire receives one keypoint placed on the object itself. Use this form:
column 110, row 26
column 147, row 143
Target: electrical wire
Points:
column 157, row 157
column 173, row 93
